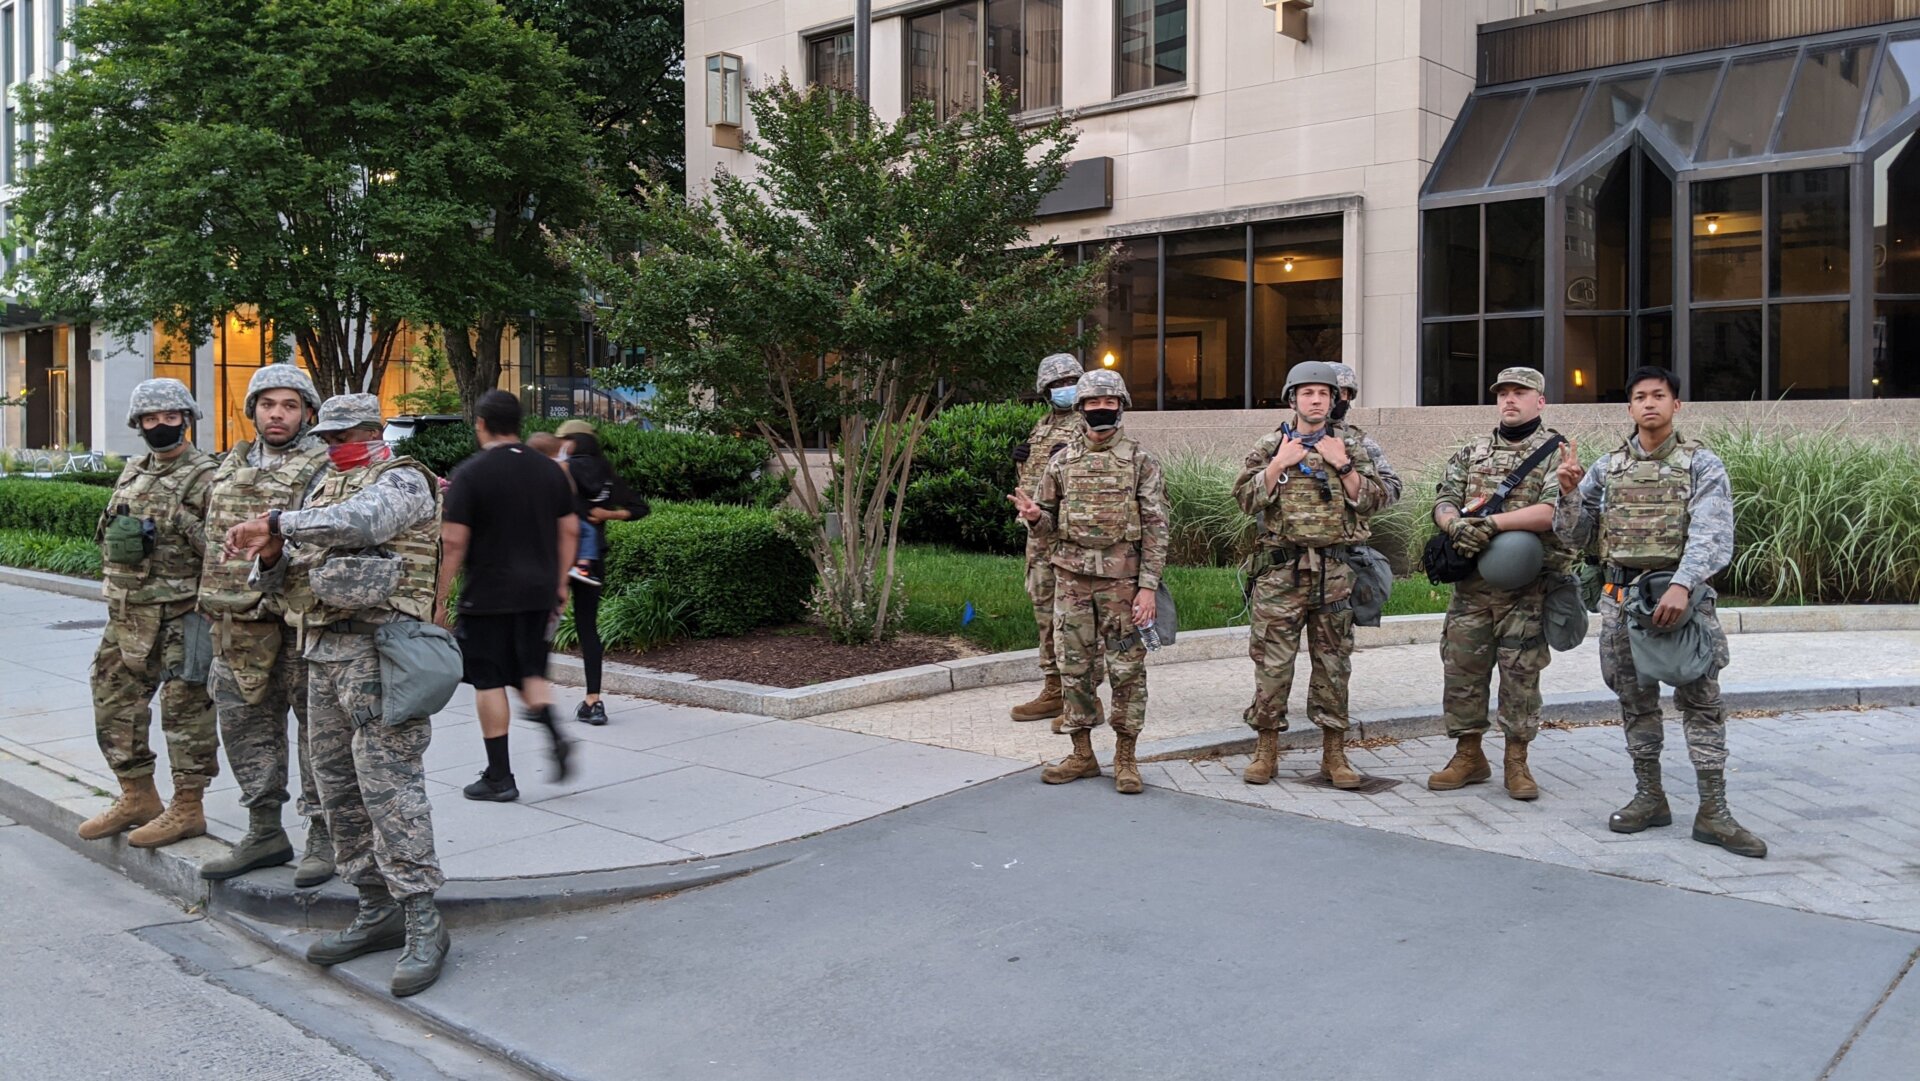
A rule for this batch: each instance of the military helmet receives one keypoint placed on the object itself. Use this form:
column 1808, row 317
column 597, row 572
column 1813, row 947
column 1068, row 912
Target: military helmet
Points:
column 1349, row 379
column 160, row 396
column 1055, row 368
column 281, row 376
column 1308, row 372
column 1103, row 383
column 1512, row 560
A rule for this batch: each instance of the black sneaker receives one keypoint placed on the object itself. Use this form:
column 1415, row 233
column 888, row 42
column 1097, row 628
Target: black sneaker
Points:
column 491, row 790
column 561, row 746
column 593, row 713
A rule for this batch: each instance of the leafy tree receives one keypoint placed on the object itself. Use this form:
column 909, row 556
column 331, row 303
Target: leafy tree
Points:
column 862, row 277
column 437, row 392
column 317, row 165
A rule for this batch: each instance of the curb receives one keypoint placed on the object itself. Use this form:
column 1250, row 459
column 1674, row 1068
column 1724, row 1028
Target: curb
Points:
column 55, row 805
column 85, row 588
column 1378, row 724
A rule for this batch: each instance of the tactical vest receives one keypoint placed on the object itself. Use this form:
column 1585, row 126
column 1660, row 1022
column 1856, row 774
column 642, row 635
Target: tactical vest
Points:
column 1644, row 517
column 1099, row 519
column 1053, row 430
column 1312, row 511
column 156, row 490
column 242, row 492
column 417, row 547
column 1491, row 460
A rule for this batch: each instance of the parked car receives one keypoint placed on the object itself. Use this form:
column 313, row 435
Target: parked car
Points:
column 408, row 425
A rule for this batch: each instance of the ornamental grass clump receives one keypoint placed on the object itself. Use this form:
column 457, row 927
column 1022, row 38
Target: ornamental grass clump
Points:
column 1207, row 527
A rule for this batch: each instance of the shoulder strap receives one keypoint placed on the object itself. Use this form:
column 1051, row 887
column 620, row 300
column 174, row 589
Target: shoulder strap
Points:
column 1540, row 454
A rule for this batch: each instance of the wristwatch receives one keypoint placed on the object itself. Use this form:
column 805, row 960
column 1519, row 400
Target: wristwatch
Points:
column 1343, row 470
column 273, row 523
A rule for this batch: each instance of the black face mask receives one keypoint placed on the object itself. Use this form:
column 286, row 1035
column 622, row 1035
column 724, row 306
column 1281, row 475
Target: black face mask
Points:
column 1103, row 420
column 1340, row 408
column 164, row 436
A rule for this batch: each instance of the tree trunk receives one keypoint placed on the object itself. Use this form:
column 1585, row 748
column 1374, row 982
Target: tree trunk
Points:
column 473, row 353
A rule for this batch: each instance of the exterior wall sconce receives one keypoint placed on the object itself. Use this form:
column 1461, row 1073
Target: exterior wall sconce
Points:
column 726, row 100
column 1290, row 17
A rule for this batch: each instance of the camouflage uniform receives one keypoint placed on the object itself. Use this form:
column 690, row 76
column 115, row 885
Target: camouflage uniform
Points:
column 1486, row 624
column 1389, row 479
column 1051, row 434
column 1104, row 509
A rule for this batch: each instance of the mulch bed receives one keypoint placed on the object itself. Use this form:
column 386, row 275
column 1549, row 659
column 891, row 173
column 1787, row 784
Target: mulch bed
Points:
column 796, row 656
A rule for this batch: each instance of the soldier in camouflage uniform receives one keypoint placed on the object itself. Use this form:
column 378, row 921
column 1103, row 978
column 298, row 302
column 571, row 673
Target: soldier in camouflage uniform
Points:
column 1350, row 390
column 150, row 538
column 1103, row 504
column 1660, row 502
column 1486, row 624
column 1313, row 488
column 257, row 670
column 363, row 551
column 1052, row 433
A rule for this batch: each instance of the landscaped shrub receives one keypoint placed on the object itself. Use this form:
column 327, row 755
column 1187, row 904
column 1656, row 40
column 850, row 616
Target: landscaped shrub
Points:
column 58, row 508
column 638, row 617
column 47, row 552
column 962, row 472
column 682, row 466
column 736, row 567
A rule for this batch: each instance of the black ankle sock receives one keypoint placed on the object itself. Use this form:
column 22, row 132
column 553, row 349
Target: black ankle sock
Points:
column 499, row 766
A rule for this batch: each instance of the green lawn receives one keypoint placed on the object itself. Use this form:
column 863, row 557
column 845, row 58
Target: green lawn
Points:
column 939, row 582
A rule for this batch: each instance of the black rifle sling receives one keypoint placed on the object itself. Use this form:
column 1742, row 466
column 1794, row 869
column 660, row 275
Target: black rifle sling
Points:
column 1498, row 502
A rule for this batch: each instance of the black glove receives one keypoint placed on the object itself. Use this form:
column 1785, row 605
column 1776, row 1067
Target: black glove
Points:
column 1021, row 452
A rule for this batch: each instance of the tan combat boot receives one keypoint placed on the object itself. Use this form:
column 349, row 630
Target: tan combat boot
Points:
column 1126, row 772
column 1266, row 753
column 139, row 804
column 1048, row 704
column 1467, row 766
column 1520, row 782
column 1081, row 763
column 182, row 819
column 1333, row 759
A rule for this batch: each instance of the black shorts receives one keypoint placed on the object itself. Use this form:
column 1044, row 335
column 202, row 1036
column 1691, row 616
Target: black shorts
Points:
column 502, row 649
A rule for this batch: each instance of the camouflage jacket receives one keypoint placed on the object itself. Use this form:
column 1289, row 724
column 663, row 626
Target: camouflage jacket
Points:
column 1309, row 507
column 253, row 478
column 1477, row 470
column 174, row 495
column 1634, row 496
column 1380, row 464
column 1051, row 434
column 1105, row 506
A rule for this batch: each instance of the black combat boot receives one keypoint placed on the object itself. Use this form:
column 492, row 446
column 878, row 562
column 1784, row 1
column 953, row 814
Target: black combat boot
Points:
column 379, row 925
column 427, row 943
column 1714, row 824
column 1648, row 807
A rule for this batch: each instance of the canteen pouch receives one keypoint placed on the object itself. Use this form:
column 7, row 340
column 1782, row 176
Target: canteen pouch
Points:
column 251, row 649
column 1444, row 564
column 1372, row 584
column 129, row 540
column 355, row 582
column 197, row 655
column 420, row 668
column 1563, row 613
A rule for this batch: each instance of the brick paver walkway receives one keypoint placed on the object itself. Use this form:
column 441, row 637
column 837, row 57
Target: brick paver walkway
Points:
column 1835, row 793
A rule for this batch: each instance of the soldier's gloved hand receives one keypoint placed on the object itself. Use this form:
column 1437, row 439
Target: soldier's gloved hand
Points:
column 1021, row 452
column 1471, row 535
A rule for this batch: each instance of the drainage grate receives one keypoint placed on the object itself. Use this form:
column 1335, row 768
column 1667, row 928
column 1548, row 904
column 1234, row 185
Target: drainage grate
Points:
column 78, row 625
column 1369, row 787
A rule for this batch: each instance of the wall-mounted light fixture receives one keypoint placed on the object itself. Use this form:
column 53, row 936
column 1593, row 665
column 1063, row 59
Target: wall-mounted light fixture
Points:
column 1290, row 17
column 726, row 99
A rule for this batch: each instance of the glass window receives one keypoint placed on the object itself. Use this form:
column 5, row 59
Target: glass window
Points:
column 1808, row 351
column 9, row 44
column 1129, row 338
column 1899, row 83
column 1896, row 349
column 948, row 56
column 1482, row 135
column 1541, row 134
column 27, row 41
column 1004, row 46
column 1810, row 223
column 1680, row 103
column 1656, row 341
column 1596, row 359
column 960, row 58
column 1514, row 341
column 1896, row 220
column 1727, row 239
column 1450, row 363
column 1615, row 104
column 1726, row 355
column 1656, row 236
column 7, row 149
column 172, row 356
column 830, row 61
column 1206, row 317
column 1516, row 256
column 1599, row 211
column 923, row 59
column 1450, row 263
column 1297, row 273
column 1825, row 107
column 1043, row 39
column 239, row 349
column 1749, row 103
column 1152, row 44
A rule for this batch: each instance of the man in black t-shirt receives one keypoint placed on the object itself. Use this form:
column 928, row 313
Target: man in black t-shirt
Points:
column 509, row 520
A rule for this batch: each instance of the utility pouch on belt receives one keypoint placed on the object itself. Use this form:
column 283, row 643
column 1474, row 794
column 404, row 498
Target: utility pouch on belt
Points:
column 1372, row 583
column 198, row 656
column 355, row 582
column 1260, row 562
column 419, row 669
column 251, row 649
column 129, row 540
column 1563, row 614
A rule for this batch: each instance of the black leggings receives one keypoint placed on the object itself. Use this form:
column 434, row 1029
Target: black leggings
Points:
column 586, row 623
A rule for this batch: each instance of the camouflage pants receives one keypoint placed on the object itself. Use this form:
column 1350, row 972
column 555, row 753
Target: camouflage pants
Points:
column 1285, row 599
column 1484, row 626
column 373, row 785
column 262, row 657
column 1699, row 702
column 139, row 647
column 1093, row 623
column 1040, row 587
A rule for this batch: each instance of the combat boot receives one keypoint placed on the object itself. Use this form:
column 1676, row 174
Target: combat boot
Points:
column 378, row 925
column 1333, row 759
column 1467, row 766
column 183, row 818
column 1266, row 754
column 264, row 844
column 1081, row 763
column 1520, row 782
column 427, row 943
column 1714, row 823
column 1126, row 772
column 1648, row 807
column 316, row 863
column 1048, row 704
column 138, row 804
